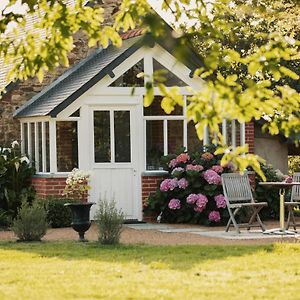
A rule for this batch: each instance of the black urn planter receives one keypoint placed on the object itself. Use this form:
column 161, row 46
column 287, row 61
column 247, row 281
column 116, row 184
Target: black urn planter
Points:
column 80, row 217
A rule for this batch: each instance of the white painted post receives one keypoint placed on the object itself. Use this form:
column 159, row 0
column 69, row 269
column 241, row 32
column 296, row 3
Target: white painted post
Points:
column 29, row 141
column 185, row 137
column 36, row 146
column 112, row 136
column 243, row 134
column 233, row 133
column 205, row 136
column 52, row 146
column 22, row 137
column 166, row 137
column 84, row 129
column 44, row 161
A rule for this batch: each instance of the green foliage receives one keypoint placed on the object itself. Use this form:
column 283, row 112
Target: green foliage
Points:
column 57, row 214
column 188, row 177
column 294, row 164
column 31, row 222
column 15, row 180
column 109, row 221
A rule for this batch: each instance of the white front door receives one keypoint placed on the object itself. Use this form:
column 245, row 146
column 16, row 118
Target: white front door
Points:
column 115, row 159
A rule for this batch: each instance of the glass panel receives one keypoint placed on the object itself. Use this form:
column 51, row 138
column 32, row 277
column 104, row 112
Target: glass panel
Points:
column 155, row 109
column 170, row 78
column 193, row 142
column 129, row 78
column 175, row 136
column 25, row 139
column 238, row 133
column 154, row 144
column 66, row 146
column 32, row 157
column 102, row 136
column 122, row 136
column 76, row 113
column 47, row 147
column 40, row 169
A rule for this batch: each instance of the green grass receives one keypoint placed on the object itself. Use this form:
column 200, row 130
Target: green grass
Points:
column 72, row 270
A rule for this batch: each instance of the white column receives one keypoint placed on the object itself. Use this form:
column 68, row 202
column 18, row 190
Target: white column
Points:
column 52, row 146
column 44, row 161
column 29, row 141
column 233, row 133
column 243, row 134
column 185, row 137
column 205, row 136
column 22, row 137
column 84, row 144
column 165, row 137
column 36, row 146
column 112, row 136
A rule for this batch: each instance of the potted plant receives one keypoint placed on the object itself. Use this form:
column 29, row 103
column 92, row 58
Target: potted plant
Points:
column 77, row 188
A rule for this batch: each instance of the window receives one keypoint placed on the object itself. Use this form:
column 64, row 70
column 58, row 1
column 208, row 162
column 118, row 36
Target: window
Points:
column 130, row 78
column 112, row 138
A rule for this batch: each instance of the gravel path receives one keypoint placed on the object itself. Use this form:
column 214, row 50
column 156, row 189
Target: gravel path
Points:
column 153, row 237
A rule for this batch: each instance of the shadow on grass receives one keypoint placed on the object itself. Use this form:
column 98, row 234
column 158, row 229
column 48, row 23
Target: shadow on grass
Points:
column 175, row 257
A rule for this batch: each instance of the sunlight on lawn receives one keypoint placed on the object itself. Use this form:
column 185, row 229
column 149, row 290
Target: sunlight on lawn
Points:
column 88, row 271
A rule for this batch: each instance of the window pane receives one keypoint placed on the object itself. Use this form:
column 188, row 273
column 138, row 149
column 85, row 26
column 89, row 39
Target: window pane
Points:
column 155, row 109
column 102, row 136
column 175, row 136
column 129, row 78
column 32, row 157
column 122, row 136
column 154, row 144
column 66, row 146
column 193, row 142
column 25, row 137
column 170, row 78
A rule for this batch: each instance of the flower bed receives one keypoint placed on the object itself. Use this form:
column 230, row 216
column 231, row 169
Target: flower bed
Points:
column 192, row 192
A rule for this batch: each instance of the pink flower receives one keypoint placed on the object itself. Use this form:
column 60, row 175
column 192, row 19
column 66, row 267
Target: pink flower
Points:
column 220, row 201
column 217, row 168
column 199, row 209
column 174, row 204
column 183, row 183
column 191, row 167
column 192, row 198
column 214, row 216
column 202, row 201
column 172, row 163
column 177, row 170
column 212, row 177
column 207, row 156
column 182, row 158
column 169, row 184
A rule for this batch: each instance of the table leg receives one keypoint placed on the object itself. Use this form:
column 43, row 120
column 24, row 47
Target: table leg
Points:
column 281, row 210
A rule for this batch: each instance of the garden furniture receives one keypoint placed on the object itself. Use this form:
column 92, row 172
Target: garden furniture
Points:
column 295, row 201
column 238, row 195
column 282, row 186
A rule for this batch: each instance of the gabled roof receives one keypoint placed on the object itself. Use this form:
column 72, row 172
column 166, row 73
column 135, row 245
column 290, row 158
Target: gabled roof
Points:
column 81, row 77
column 78, row 79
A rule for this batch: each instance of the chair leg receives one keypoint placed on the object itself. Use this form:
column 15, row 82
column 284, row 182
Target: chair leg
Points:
column 261, row 224
column 232, row 215
column 291, row 213
column 288, row 220
column 230, row 221
column 256, row 215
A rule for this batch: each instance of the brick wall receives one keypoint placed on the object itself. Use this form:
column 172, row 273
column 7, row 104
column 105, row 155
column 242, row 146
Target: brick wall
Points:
column 149, row 185
column 49, row 186
column 249, row 136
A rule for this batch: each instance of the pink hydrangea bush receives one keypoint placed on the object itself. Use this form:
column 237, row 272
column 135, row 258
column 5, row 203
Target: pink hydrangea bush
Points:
column 192, row 191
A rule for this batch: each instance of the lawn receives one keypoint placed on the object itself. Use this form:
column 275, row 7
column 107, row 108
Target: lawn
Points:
column 70, row 270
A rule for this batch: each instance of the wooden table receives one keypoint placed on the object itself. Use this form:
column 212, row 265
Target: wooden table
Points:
column 282, row 186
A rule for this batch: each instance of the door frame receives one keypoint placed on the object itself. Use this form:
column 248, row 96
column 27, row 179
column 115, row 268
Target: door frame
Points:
column 86, row 154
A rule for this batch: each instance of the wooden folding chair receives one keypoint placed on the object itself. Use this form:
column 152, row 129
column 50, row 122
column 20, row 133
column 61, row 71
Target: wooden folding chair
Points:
column 238, row 195
column 295, row 198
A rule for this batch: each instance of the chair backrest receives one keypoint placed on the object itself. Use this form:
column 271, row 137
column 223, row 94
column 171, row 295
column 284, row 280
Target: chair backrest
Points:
column 296, row 188
column 236, row 188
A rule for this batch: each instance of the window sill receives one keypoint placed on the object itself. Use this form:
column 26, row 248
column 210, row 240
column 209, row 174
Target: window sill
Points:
column 155, row 173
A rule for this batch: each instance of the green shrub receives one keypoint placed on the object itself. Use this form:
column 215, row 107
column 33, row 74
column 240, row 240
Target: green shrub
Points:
column 31, row 222
column 57, row 214
column 109, row 221
column 16, row 173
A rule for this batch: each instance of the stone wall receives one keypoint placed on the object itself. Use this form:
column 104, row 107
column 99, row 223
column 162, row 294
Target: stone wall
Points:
column 23, row 91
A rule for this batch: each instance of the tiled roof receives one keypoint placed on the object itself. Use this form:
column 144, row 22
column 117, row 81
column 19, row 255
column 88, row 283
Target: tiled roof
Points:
column 78, row 79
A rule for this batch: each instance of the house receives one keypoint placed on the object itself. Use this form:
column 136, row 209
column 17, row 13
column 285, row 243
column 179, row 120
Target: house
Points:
column 92, row 117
